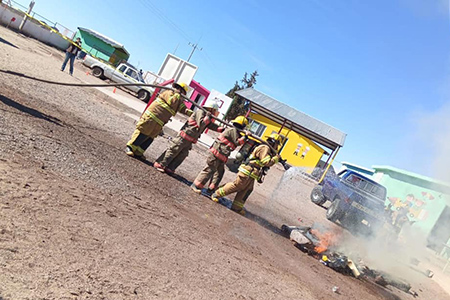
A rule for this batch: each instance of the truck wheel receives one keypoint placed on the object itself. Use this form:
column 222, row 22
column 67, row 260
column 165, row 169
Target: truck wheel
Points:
column 317, row 195
column 144, row 95
column 97, row 72
column 334, row 213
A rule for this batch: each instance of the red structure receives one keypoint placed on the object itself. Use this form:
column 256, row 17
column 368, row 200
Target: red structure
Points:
column 199, row 93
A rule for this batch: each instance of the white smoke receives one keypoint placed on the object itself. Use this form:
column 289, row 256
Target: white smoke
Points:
column 433, row 132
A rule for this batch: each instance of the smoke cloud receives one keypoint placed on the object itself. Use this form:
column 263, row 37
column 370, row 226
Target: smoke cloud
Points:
column 433, row 132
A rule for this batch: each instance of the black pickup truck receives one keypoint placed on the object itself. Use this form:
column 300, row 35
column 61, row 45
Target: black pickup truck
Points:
column 357, row 202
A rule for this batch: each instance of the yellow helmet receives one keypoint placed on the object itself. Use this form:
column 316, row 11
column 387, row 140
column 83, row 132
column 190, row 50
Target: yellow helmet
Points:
column 275, row 137
column 241, row 120
column 182, row 85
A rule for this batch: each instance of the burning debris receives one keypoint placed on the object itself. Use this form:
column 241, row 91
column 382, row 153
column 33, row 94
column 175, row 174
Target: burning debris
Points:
column 323, row 244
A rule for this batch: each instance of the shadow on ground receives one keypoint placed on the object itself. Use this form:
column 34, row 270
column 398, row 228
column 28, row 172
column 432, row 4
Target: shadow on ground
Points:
column 9, row 44
column 28, row 110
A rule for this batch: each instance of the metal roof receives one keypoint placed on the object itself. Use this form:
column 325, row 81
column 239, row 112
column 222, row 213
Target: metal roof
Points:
column 104, row 38
column 307, row 126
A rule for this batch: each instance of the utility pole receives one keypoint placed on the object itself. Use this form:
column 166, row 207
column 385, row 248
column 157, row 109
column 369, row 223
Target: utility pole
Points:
column 30, row 8
column 194, row 47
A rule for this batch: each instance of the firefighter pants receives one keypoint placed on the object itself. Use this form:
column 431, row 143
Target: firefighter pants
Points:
column 146, row 130
column 242, row 186
column 213, row 171
column 176, row 153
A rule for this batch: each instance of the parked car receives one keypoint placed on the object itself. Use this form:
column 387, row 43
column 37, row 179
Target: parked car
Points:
column 357, row 202
column 124, row 73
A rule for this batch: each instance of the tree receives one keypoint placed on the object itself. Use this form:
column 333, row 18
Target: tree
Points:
column 240, row 106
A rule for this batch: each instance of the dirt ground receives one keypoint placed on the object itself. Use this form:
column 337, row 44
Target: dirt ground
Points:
column 81, row 220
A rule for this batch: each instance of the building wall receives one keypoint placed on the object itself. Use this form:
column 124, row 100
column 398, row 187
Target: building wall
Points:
column 198, row 89
column 32, row 28
column 425, row 201
column 295, row 149
column 223, row 100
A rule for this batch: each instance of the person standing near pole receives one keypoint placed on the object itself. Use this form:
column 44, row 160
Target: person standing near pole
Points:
column 218, row 155
column 191, row 131
column 157, row 114
column 71, row 53
column 261, row 157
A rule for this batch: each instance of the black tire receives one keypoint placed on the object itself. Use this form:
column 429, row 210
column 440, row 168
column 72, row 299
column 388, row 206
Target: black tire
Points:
column 143, row 95
column 333, row 212
column 97, row 72
column 317, row 195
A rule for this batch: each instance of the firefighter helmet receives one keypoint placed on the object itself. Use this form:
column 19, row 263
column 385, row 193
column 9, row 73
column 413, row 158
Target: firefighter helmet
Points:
column 275, row 137
column 241, row 120
column 211, row 104
column 182, row 86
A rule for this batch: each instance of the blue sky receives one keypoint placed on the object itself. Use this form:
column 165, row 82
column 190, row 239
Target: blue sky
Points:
column 377, row 70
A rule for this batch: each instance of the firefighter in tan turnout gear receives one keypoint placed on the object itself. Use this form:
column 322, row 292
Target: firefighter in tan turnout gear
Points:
column 155, row 117
column 198, row 122
column 218, row 155
column 262, row 156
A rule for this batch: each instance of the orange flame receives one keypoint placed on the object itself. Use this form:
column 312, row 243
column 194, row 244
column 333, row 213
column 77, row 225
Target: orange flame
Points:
column 326, row 240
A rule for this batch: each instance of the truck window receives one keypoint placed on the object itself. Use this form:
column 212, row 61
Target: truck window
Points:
column 353, row 179
column 363, row 184
column 132, row 74
column 122, row 68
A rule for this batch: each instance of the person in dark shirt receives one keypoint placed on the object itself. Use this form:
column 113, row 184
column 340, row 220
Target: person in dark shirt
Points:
column 71, row 53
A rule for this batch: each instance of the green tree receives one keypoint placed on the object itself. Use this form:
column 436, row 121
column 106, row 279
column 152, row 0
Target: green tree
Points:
column 239, row 106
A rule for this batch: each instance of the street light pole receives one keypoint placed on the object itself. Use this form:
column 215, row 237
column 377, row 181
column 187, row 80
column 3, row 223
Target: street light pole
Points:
column 194, row 47
column 30, row 8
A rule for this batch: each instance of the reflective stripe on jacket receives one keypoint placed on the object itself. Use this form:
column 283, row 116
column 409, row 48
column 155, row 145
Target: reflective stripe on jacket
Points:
column 187, row 137
column 155, row 118
column 262, row 156
column 166, row 106
column 249, row 171
column 219, row 155
column 195, row 125
column 228, row 141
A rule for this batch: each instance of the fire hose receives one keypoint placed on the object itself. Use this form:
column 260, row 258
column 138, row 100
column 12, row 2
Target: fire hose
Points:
column 13, row 73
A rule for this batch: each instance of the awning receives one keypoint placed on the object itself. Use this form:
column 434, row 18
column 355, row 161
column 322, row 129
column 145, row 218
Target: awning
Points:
column 300, row 122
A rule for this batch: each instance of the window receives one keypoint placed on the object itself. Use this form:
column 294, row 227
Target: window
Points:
column 122, row 68
column 132, row 74
column 257, row 128
column 353, row 179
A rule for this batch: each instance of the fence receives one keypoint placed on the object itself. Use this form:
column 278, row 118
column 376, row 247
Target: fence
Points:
column 12, row 13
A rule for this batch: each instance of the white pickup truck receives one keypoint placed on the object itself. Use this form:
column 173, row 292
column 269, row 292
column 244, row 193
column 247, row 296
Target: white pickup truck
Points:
column 124, row 73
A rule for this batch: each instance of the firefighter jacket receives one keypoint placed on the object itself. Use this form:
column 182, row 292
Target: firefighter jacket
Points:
column 196, row 124
column 262, row 156
column 226, row 143
column 166, row 106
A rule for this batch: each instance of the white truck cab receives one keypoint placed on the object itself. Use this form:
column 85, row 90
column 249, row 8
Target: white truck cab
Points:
column 124, row 73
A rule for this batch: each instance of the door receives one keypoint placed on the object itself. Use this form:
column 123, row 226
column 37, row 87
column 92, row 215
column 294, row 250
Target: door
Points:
column 118, row 74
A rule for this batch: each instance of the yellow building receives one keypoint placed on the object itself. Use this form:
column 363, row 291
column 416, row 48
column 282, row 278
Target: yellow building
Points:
column 309, row 143
column 297, row 149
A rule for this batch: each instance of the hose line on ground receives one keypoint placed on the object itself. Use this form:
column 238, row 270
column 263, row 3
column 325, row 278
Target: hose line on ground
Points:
column 13, row 73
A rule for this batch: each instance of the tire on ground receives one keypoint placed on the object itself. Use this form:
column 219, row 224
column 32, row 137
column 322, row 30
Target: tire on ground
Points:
column 97, row 72
column 317, row 195
column 334, row 213
column 144, row 95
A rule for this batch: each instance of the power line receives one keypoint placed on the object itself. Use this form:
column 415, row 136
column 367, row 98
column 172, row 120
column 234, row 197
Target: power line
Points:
column 163, row 17
column 194, row 47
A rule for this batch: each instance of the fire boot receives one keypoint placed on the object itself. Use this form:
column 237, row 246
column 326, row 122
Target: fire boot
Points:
column 215, row 197
column 159, row 167
column 196, row 189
